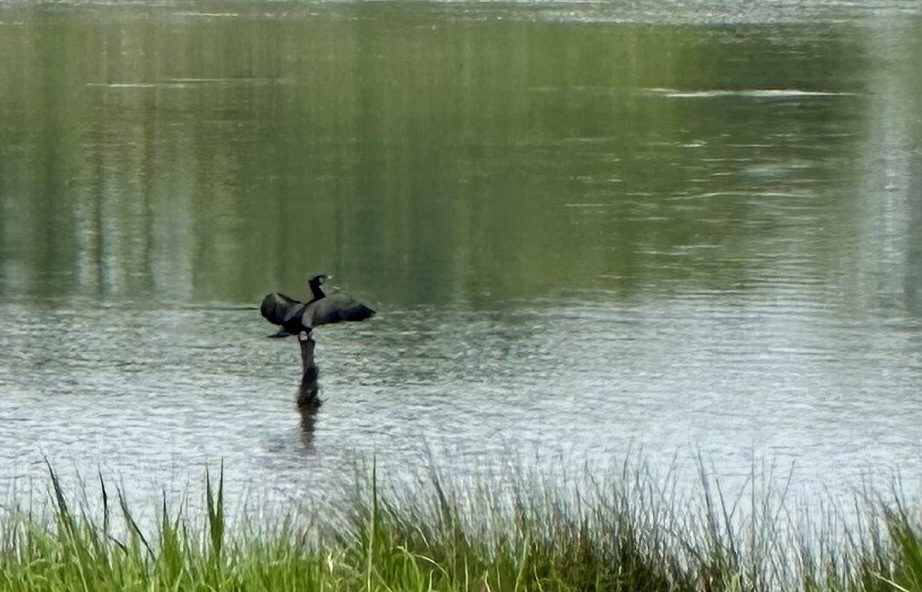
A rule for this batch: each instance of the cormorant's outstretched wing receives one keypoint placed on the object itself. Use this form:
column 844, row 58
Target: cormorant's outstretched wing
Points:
column 277, row 308
column 334, row 308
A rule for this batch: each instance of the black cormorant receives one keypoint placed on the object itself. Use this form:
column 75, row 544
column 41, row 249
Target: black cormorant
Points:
column 295, row 316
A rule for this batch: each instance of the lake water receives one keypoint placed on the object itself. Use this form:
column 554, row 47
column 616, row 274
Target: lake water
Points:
column 592, row 232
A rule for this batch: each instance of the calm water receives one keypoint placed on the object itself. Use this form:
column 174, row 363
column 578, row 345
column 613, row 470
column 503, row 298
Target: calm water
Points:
column 589, row 231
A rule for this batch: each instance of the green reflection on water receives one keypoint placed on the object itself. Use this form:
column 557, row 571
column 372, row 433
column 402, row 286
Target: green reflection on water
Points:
column 422, row 157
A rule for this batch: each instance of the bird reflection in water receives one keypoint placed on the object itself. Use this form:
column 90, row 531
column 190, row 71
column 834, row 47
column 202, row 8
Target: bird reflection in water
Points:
column 309, row 392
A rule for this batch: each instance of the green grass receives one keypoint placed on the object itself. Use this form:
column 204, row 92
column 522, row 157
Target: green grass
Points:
column 626, row 535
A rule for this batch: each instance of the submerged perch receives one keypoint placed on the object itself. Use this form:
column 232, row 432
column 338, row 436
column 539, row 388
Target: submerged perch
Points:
column 309, row 391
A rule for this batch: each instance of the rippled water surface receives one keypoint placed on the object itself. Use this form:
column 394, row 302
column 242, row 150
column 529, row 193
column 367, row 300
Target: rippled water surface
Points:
column 589, row 233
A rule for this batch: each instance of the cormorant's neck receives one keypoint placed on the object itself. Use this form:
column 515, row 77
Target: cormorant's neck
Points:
column 316, row 290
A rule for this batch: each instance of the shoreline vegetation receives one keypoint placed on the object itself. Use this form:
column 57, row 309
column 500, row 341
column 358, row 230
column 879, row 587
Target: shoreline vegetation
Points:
column 626, row 534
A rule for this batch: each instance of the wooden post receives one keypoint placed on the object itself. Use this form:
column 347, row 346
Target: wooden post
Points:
column 308, row 392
